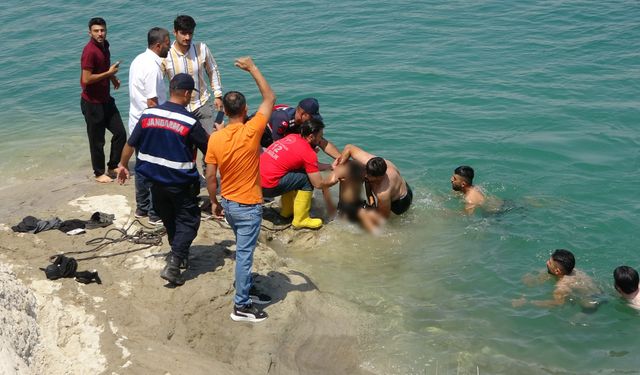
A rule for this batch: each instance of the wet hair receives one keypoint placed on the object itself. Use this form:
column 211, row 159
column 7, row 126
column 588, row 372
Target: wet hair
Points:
column 566, row 260
column 156, row 35
column 626, row 279
column 97, row 21
column 376, row 167
column 312, row 126
column 466, row 172
column 234, row 103
column 184, row 23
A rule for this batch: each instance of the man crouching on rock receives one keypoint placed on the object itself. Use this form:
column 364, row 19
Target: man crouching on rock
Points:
column 166, row 138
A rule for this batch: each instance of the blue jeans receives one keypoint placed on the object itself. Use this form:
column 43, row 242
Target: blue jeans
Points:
column 295, row 180
column 245, row 220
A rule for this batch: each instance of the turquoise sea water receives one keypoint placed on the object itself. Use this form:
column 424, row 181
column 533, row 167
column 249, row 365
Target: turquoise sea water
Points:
column 542, row 98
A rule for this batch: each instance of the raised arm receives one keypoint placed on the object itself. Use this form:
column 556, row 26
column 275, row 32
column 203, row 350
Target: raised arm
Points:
column 356, row 153
column 268, row 96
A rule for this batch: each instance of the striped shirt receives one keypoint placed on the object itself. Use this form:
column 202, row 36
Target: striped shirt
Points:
column 196, row 62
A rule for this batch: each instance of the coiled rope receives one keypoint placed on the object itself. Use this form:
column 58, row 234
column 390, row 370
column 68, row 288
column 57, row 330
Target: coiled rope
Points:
column 147, row 236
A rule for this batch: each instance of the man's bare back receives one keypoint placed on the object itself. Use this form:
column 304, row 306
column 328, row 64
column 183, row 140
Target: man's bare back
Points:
column 388, row 186
column 578, row 287
column 571, row 284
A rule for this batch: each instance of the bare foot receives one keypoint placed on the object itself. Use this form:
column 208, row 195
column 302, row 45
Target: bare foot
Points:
column 104, row 179
column 112, row 173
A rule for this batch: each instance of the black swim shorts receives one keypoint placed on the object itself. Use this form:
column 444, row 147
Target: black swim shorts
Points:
column 402, row 205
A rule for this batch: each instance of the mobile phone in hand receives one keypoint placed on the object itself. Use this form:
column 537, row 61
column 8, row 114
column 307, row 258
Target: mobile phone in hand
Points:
column 219, row 117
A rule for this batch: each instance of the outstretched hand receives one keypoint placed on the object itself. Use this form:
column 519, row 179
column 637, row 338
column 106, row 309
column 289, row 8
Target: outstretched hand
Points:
column 245, row 63
column 122, row 174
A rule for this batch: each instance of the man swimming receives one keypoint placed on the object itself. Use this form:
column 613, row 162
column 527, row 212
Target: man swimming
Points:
column 462, row 181
column 626, row 283
column 571, row 284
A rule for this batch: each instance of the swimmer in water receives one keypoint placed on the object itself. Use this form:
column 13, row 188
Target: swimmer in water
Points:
column 571, row 284
column 626, row 283
column 462, row 181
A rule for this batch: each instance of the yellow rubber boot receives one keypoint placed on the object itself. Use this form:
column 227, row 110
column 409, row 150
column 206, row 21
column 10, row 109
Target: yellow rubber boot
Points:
column 286, row 203
column 301, row 208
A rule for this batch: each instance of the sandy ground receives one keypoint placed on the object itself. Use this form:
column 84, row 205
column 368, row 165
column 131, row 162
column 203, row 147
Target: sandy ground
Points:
column 133, row 323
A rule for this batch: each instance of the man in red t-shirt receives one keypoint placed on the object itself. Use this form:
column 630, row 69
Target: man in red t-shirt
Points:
column 98, row 107
column 289, row 167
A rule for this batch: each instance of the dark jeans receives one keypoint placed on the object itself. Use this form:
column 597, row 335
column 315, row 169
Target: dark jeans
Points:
column 99, row 118
column 296, row 180
column 178, row 208
column 144, row 201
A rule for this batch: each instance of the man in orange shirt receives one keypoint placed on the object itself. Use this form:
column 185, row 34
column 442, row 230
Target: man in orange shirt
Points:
column 235, row 152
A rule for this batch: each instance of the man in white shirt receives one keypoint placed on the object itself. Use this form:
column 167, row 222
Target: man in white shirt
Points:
column 196, row 60
column 146, row 90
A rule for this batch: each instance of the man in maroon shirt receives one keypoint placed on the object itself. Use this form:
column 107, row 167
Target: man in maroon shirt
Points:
column 98, row 107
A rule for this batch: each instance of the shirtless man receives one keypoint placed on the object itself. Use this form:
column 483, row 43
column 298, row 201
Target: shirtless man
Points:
column 570, row 283
column 390, row 190
column 626, row 283
column 462, row 181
